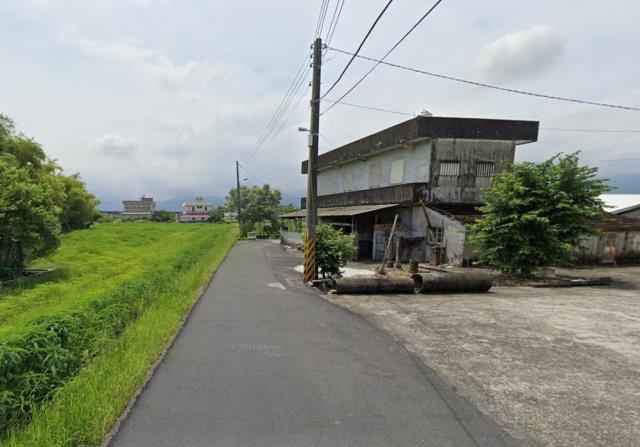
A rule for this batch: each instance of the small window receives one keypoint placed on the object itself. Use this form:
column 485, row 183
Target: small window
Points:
column 397, row 171
column 436, row 234
column 451, row 168
column 485, row 168
column 375, row 171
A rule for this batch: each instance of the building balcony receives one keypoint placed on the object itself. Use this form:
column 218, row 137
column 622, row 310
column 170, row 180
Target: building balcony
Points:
column 404, row 194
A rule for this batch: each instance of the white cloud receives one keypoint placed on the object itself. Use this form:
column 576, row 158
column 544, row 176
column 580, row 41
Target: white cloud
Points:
column 153, row 64
column 114, row 145
column 520, row 54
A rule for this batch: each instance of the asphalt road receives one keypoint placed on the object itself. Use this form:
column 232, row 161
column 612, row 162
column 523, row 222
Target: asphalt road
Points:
column 263, row 361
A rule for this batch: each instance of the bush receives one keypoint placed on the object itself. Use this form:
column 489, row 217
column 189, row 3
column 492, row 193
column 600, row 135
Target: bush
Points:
column 333, row 250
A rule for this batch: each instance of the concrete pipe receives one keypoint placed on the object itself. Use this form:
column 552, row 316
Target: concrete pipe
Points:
column 454, row 282
column 375, row 285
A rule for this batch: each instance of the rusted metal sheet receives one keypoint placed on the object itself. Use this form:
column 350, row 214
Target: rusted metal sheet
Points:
column 345, row 211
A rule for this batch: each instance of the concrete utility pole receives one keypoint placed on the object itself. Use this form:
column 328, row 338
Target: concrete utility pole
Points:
column 238, row 198
column 310, row 270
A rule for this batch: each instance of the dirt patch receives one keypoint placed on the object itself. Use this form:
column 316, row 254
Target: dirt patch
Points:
column 557, row 367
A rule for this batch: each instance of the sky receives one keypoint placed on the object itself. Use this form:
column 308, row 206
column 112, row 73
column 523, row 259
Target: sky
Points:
column 161, row 97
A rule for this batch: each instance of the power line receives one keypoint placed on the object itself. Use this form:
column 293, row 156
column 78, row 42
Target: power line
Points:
column 435, row 5
column 275, row 123
column 375, row 109
column 337, row 12
column 346, row 67
column 281, row 109
column 558, row 129
column 482, row 84
column 321, row 16
column 282, row 124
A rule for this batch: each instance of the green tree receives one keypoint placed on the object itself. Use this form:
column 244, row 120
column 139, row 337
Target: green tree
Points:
column 164, row 216
column 259, row 204
column 78, row 207
column 29, row 225
column 216, row 215
column 333, row 250
column 534, row 214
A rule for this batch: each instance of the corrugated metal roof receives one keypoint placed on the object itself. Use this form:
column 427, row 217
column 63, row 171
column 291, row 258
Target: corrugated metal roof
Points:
column 341, row 211
column 465, row 213
column 618, row 203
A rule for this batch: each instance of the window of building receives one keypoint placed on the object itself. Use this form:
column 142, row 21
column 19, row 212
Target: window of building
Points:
column 397, row 171
column 485, row 168
column 436, row 234
column 451, row 168
column 375, row 170
column 347, row 180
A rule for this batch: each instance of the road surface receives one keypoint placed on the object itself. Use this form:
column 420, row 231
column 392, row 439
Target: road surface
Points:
column 263, row 361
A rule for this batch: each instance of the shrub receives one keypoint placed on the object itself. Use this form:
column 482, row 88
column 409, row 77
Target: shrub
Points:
column 333, row 250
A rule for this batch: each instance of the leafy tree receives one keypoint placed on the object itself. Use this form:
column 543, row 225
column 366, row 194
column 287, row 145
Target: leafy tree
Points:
column 333, row 250
column 534, row 214
column 29, row 226
column 78, row 207
column 288, row 208
column 164, row 216
column 259, row 204
column 217, row 215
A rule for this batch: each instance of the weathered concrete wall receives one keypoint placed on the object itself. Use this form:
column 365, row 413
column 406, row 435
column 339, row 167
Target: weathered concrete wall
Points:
column 356, row 175
column 627, row 245
column 291, row 238
column 454, row 235
column 467, row 186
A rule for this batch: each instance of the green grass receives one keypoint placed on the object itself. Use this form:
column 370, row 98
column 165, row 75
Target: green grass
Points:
column 126, row 287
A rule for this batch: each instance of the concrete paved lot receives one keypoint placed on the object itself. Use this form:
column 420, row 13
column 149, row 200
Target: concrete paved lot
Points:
column 264, row 361
column 558, row 367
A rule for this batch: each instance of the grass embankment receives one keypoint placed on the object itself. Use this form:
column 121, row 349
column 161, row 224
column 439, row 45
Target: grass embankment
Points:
column 73, row 350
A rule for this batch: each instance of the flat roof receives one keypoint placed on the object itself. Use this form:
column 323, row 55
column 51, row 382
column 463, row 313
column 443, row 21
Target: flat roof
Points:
column 620, row 203
column 424, row 127
column 340, row 211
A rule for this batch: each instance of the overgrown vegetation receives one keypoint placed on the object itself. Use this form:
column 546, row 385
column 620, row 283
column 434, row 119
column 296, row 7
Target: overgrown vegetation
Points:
column 260, row 208
column 71, row 326
column 37, row 201
column 535, row 212
column 333, row 250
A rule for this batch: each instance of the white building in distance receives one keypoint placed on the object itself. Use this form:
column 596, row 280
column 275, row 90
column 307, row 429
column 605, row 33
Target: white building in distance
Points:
column 197, row 211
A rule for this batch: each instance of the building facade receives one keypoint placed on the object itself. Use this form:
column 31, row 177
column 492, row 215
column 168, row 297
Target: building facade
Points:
column 197, row 211
column 144, row 208
column 407, row 170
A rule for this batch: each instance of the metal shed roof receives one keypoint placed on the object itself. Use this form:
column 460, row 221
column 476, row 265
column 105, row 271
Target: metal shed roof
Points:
column 341, row 211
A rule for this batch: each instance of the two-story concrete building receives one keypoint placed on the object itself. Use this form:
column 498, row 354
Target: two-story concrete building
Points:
column 444, row 163
column 197, row 211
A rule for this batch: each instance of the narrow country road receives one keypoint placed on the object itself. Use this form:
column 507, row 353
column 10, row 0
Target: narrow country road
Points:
column 263, row 361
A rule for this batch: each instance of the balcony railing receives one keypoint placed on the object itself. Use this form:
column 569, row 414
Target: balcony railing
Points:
column 404, row 194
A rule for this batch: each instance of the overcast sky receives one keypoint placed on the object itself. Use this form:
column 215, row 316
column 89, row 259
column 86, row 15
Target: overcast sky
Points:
column 160, row 97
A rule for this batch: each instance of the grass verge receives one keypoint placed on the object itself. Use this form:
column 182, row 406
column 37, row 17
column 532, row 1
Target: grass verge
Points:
column 81, row 411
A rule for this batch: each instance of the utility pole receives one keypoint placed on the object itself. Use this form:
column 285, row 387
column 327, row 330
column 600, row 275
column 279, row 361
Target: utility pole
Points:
column 238, row 198
column 310, row 269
